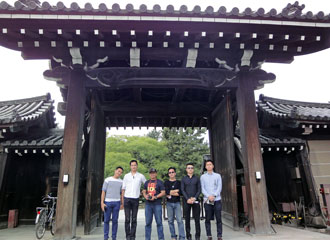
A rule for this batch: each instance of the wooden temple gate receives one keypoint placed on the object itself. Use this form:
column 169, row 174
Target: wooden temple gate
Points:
column 161, row 67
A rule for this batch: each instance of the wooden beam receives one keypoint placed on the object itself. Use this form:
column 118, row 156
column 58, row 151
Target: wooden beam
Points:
column 201, row 120
column 124, row 122
column 178, row 120
column 94, row 166
column 157, row 109
column 178, row 95
column 186, row 123
column 212, row 95
column 155, row 122
column 117, row 78
column 193, row 122
column 137, row 94
column 116, row 121
column 66, row 214
column 157, row 77
column 258, row 210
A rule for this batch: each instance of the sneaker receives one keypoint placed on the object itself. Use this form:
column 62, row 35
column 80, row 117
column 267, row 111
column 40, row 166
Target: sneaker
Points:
column 209, row 238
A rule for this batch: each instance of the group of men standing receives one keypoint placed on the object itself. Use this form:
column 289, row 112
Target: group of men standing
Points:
column 118, row 194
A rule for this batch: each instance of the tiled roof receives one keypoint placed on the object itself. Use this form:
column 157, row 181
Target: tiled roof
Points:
column 293, row 110
column 280, row 141
column 269, row 143
column 25, row 110
column 291, row 11
column 53, row 138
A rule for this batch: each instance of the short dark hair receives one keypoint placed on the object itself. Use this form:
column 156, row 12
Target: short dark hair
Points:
column 209, row 160
column 171, row 168
column 130, row 163
column 189, row 163
column 120, row 168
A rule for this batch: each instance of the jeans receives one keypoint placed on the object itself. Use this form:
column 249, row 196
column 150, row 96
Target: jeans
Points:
column 131, row 206
column 210, row 211
column 150, row 210
column 111, row 209
column 174, row 210
column 196, row 212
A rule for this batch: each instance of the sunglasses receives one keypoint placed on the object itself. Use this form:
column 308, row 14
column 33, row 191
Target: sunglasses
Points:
column 190, row 168
column 170, row 172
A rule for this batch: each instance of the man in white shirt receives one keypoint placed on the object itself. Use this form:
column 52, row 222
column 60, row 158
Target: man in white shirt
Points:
column 131, row 190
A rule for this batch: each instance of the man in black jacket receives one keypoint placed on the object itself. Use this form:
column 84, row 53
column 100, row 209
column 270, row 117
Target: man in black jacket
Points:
column 191, row 189
column 173, row 192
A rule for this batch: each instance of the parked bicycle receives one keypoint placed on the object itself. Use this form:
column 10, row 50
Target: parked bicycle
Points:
column 46, row 216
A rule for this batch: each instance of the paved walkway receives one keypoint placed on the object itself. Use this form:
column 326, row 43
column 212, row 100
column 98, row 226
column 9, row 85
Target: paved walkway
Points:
column 288, row 233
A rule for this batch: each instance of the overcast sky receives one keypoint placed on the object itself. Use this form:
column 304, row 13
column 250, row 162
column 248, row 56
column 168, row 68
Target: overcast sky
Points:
column 306, row 79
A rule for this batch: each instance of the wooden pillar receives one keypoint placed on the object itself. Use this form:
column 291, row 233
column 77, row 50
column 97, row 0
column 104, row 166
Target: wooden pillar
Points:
column 66, row 211
column 101, row 169
column 3, row 161
column 211, row 138
column 259, row 222
column 222, row 135
column 3, row 176
column 95, row 171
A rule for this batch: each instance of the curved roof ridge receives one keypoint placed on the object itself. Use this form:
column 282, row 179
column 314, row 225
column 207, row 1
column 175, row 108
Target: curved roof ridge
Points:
column 290, row 12
column 28, row 109
column 46, row 97
column 263, row 98
column 296, row 110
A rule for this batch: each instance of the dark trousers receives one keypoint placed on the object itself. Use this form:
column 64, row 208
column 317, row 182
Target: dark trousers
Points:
column 131, row 207
column 196, row 213
column 210, row 211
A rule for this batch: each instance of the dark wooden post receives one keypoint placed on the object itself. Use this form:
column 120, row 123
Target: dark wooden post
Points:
column 66, row 211
column 101, row 168
column 3, row 176
column 3, row 161
column 256, row 190
column 222, row 135
column 95, row 166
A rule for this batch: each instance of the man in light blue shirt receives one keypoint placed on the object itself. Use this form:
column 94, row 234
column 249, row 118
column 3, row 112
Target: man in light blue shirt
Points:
column 211, row 185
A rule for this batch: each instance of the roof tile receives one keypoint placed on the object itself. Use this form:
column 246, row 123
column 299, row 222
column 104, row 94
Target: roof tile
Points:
column 291, row 11
column 286, row 109
column 28, row 109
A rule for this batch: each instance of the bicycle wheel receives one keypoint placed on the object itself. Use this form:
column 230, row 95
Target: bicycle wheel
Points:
column 41, row 225
column 52, row 226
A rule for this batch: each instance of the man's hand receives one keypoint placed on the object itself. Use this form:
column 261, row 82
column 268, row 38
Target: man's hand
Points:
column 103, row 207
column 174, row 192
column 191, row 200
column 121, row 206
column 211, row 198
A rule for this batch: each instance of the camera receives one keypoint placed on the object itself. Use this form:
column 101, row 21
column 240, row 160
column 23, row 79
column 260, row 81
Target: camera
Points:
column 149, row 197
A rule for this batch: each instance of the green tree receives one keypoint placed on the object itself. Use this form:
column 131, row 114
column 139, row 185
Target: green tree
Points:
column 160, row 149
column 186, row 146
column 155, row 134
column 120, row 150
